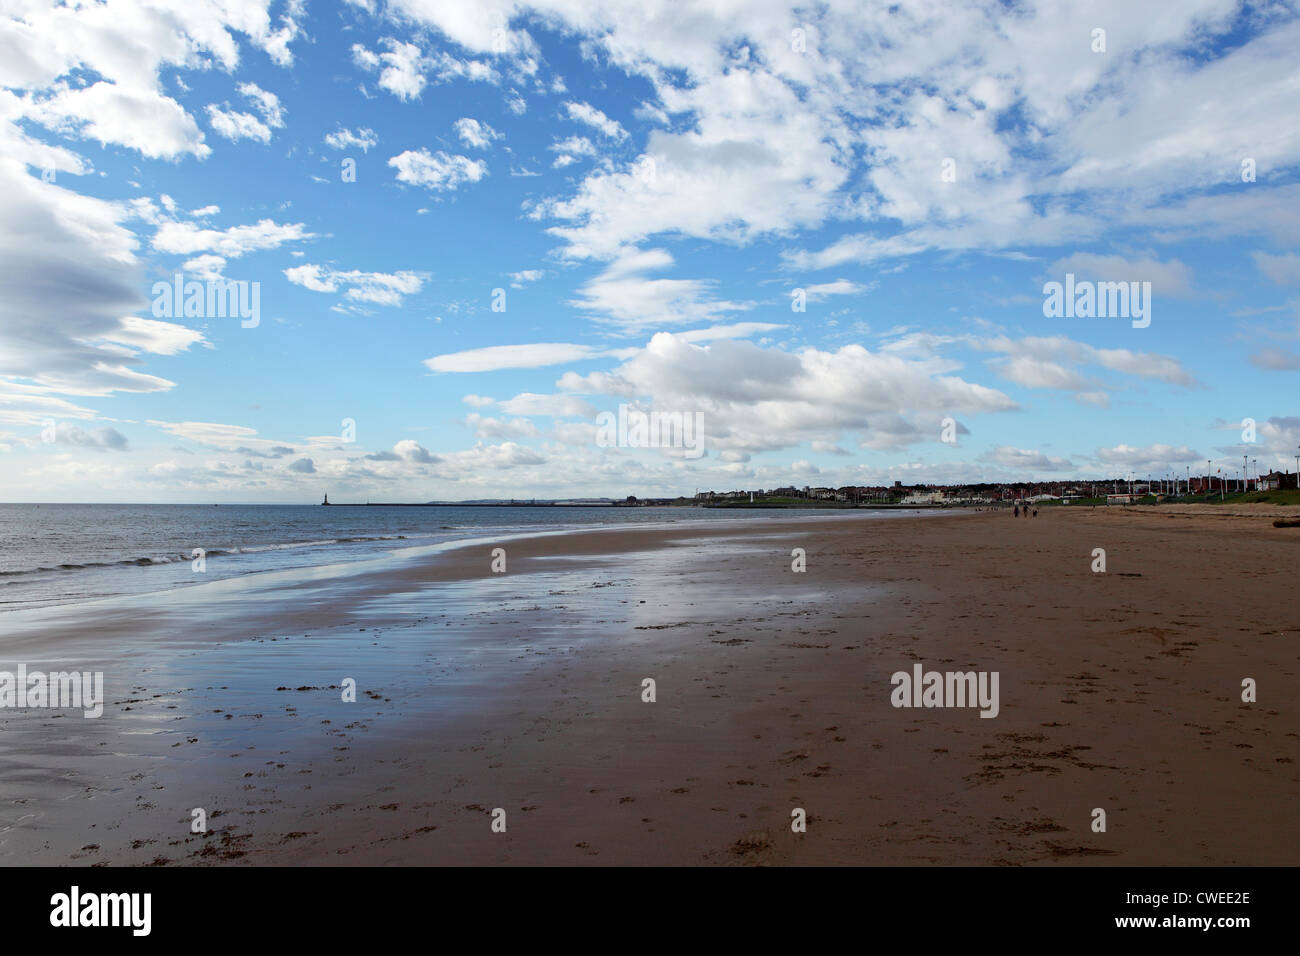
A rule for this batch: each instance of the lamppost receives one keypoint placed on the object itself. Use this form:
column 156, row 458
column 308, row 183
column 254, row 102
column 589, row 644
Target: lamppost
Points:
column 1209, row 478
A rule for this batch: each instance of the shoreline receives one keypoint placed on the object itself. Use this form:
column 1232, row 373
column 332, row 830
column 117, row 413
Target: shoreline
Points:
column 523, row 691
column 105, row 572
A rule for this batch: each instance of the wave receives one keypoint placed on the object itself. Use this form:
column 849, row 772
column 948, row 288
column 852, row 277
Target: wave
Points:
column 159, row 559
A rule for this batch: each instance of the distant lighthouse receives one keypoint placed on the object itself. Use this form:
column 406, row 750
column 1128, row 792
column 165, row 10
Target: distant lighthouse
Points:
column 326, row 501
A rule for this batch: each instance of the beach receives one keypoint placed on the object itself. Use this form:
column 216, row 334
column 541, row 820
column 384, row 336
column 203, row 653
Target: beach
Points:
column 523, row 691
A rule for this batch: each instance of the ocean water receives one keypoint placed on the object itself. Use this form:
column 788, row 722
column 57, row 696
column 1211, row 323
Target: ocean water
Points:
column 66, row 553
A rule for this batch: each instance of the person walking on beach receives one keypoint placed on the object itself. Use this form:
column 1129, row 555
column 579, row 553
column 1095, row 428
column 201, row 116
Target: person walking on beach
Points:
column 1035, row 512
column 1017, row 511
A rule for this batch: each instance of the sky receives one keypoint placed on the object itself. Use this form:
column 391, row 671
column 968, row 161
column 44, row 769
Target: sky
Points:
column 468, row 232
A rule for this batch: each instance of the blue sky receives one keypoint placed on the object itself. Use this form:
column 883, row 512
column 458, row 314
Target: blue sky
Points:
column 644, row 190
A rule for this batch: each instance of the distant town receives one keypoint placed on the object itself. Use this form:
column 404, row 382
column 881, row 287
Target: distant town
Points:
column 1111, row 491
column 1276, row 487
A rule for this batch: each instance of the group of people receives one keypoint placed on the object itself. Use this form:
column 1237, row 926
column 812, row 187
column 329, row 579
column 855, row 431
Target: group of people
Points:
column 1026, row 511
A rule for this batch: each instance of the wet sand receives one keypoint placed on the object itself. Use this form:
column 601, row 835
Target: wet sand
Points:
column 523, row 691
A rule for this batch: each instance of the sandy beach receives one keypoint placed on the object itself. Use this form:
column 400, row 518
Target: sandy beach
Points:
column 523, row 691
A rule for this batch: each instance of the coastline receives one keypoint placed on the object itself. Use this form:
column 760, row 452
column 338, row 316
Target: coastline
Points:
column 523, row 691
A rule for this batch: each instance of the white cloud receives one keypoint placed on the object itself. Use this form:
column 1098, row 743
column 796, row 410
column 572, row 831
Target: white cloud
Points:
column 819, row 292
column 126, row 46
column 265, row 102
column 1044, row 362
column 570, row 149
column 236, row 126
column 152, row 335
column 557, row 406
column 520, row 279
column 497, row 357
column 383, row 288
column 144, row 120
column 755, row 399
column 485, row 427
column 205, row 267
column 362, row 138
column 588, row 114
column 401, row 69
column 624, row 296
column 760, row 162
column 437, row 171
column 185, row 238
column 411, row 450
column 474, row 133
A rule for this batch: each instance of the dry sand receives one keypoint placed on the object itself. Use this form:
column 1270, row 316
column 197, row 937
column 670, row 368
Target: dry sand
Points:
column 522, row 691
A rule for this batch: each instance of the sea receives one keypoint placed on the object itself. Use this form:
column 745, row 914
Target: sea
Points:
column 69, row 553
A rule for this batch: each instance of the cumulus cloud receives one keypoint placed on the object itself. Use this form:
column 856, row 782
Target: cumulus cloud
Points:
column 438, row 171
column 361, row 138
column 187, row 238
column 589, row 115
column 404, row 69
column 475, row 134
column 43, row 45
column 756, row 399
column 237, row 125
column 570, row 149
column 399, row 67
